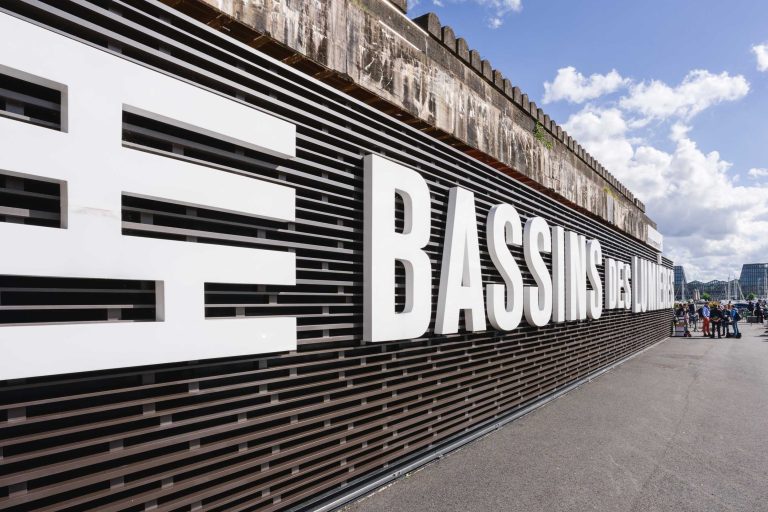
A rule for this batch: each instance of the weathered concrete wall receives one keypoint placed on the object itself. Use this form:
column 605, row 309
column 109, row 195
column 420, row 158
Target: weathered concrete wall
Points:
column 427, row 71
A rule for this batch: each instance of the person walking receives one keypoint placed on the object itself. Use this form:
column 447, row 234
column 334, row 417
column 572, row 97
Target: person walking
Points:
column 726, row 320
column 704, row 312
column 759, row 313
column 735, row 317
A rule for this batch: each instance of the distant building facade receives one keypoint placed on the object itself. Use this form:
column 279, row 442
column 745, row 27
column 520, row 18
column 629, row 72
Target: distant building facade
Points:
column 754, row 279
column 717, row 289
column 681, row 284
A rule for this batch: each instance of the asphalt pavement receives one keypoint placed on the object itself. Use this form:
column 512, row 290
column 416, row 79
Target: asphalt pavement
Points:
column 681, row 427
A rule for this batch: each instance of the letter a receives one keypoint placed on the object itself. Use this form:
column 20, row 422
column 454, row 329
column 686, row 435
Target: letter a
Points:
column 461, row 285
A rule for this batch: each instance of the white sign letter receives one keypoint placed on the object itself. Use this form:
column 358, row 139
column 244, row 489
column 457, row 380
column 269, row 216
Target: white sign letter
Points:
column 625, row 298
column 537, row 299
column 612, row 284
column 558, row 274
column 383, row 246
column 504, row 228
column 595, row 295
column 576, row 277
column 461, row 285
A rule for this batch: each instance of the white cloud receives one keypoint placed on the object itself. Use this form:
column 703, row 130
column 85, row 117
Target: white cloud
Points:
column 500, row 8
column 761, row 53
column 495, row 22
column 572, row 86
column 757, row 172
column 699, row 90
column 503, row 6
column 604, row 132
column 711, row 223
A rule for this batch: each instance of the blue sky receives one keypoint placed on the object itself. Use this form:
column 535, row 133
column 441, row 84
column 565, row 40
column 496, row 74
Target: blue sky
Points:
column 669, row 95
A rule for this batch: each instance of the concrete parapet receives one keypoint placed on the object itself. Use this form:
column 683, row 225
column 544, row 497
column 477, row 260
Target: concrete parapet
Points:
column 517, row 96
column 448, row 37
column 508, row 88
column 400, row 4
column 475, row 60
column 498, row 78
column 431, row 23
column 420, row 68
column 462, row 49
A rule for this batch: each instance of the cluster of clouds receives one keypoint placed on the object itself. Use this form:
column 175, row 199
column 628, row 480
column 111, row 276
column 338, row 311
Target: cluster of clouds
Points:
column 652, row 100
column 712, row 219
column 499, row 9
column 573, row 87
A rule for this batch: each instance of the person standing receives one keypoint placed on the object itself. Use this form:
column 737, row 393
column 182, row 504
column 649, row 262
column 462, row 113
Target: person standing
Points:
column 684, row 319
column 715, row 316
column 726, row 320
column 735, row 317
column 704, row 311
column 693, row 317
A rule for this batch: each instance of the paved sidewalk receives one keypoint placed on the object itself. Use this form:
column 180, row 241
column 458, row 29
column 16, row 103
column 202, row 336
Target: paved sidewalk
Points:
column 681, row 427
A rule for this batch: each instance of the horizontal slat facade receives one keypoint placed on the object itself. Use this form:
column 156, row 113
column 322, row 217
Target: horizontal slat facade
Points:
column 29, row 102
column 274, row 432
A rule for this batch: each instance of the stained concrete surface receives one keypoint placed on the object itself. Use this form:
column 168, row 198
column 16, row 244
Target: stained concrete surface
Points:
column 439, row 80
column 681, row 427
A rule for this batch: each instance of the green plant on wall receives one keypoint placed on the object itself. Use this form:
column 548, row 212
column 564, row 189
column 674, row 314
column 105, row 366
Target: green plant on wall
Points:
column 610, row 192
column 541, row 135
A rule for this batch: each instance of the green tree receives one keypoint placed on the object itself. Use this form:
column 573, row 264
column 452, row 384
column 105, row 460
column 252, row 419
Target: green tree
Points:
column 706, row 296
column 751, row 296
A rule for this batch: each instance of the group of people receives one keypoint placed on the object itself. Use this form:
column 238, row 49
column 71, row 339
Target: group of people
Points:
column 716, row 320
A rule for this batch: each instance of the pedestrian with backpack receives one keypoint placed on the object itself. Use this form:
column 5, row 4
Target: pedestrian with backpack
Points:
column 735, row 321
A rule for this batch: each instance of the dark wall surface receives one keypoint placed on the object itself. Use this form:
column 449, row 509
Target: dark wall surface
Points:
column 274, row 432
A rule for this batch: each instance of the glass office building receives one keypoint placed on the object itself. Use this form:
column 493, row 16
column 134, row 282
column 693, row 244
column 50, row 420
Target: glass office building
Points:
column 754, row 279
column 681, row 283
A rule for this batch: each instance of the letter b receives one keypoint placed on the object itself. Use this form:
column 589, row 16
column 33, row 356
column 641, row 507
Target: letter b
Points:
column 383, row 246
